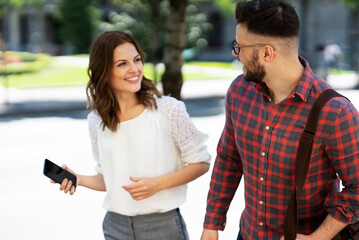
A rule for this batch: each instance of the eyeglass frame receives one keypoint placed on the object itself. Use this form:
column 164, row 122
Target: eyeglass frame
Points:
column 235, row 46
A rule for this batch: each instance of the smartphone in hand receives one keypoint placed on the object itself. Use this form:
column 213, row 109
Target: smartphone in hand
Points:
column 58, row 174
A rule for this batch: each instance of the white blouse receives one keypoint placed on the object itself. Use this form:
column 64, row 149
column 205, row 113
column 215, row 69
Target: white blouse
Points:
column 155, row 143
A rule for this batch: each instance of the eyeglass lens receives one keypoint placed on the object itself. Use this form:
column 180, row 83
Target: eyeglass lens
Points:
column 235, row 48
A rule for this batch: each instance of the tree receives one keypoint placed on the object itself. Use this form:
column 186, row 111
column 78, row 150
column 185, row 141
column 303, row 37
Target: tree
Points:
column 228, row 7
column 351, row 3
column 164, row 28
column 172, row 79
column 78, row 21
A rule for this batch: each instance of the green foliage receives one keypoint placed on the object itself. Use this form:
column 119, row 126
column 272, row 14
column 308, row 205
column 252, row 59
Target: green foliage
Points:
column 6, row 4
column 18, row 3
column 23, row 62
column 78, row 21
column 228, row 7
column 351, row 3
column 197, row 29
column 135, row 18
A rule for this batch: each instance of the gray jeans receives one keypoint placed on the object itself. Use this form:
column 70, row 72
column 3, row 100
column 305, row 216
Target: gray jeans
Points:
column 156, row 226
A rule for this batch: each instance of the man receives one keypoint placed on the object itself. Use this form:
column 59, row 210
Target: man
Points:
column 331, row 54
column 266, row 111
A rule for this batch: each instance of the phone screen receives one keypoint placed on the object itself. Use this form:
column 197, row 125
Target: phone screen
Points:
column 58, row 174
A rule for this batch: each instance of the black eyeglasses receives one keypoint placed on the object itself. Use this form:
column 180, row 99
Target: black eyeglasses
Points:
column 237, row 48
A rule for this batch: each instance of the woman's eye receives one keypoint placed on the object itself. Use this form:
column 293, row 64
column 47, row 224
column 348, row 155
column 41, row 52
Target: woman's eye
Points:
column 138, row 60
column 121, row 64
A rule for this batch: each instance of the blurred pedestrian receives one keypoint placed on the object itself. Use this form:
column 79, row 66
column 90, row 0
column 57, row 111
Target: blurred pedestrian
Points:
column 266, row 110
column 145, row 145
column 332, row 54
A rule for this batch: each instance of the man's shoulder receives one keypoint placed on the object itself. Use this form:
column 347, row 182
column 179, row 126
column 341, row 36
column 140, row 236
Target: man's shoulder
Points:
column 239, row 86
column 240, row 82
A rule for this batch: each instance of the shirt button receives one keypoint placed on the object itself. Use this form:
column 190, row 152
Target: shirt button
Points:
column 261, row 202
column 267, row 128
column 263, row 154
column 261, row 224
column 261, row 179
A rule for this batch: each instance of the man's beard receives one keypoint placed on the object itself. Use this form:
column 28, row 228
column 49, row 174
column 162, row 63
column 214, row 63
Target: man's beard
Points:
column 258, row 73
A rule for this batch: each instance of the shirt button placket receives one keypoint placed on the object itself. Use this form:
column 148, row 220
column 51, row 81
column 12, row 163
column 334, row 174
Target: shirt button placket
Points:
column 261, row 179
column 261, row 203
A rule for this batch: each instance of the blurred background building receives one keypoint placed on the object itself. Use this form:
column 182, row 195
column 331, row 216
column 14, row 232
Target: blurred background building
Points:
column 34, row 27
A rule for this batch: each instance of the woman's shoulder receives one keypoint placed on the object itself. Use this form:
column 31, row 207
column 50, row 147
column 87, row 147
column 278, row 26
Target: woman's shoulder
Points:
column 169, row 103
column 94, row 118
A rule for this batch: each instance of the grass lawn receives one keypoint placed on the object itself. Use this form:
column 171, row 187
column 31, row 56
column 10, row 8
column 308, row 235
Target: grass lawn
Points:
column 61, row 73
column 49, row 77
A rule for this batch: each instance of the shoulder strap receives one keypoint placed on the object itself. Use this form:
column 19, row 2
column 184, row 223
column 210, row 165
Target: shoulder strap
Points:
column 304, row 153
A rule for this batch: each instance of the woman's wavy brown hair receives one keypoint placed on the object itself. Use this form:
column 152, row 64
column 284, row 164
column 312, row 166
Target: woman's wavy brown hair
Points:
column 99, row 89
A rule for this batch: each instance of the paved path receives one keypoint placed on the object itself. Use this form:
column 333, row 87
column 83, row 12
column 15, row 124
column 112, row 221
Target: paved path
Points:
column 14, row 102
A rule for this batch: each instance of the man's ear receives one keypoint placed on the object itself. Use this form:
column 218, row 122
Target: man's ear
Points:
column 269, row 53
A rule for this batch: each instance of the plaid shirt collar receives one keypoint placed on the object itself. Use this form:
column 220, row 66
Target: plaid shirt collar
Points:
column 303, row 87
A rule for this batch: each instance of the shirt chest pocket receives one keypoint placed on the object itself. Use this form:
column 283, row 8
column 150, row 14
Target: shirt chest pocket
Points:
column 289, row 134
column 286, row 140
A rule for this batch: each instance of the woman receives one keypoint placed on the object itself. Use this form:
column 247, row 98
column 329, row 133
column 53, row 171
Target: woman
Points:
column 145, row 145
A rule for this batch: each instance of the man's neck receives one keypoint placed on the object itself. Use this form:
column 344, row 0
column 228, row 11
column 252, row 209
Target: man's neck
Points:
column 283, row 80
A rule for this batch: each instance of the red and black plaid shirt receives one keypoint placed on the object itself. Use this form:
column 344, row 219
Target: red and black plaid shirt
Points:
column 259, row 142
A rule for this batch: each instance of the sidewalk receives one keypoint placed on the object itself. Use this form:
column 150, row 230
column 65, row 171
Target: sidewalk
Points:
column 18, row 102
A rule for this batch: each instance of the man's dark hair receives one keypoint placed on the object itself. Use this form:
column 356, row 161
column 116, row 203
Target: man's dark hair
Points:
column 269, row 18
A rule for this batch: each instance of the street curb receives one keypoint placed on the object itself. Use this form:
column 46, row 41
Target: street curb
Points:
column 40, row 107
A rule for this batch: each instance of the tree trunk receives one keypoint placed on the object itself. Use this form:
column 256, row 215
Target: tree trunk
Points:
column 175, row 41
column 155, row 41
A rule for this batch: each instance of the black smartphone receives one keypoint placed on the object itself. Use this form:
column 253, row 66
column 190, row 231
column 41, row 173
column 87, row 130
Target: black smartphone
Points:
column 58, row 174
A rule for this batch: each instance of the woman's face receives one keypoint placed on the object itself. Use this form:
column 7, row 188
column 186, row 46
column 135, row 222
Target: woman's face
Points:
column 127, row 70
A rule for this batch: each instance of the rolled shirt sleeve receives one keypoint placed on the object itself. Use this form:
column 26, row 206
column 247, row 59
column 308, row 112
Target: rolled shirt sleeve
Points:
column 343, row 148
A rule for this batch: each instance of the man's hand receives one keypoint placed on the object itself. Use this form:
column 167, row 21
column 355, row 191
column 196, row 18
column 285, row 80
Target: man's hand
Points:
column 302, row 237
column 326, row 231
column 209, row 234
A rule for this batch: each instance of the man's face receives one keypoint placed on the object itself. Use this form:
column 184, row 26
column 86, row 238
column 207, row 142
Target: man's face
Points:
column 253, row 70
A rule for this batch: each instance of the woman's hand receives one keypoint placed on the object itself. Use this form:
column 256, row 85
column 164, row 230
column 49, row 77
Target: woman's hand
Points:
column 66, row 185
column 142, row 187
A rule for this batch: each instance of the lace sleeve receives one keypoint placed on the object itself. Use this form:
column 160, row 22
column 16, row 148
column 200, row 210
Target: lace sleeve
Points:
column 94, row 122
column 186, row 136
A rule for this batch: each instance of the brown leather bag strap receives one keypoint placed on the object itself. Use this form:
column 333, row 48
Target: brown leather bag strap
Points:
column 302, row 161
